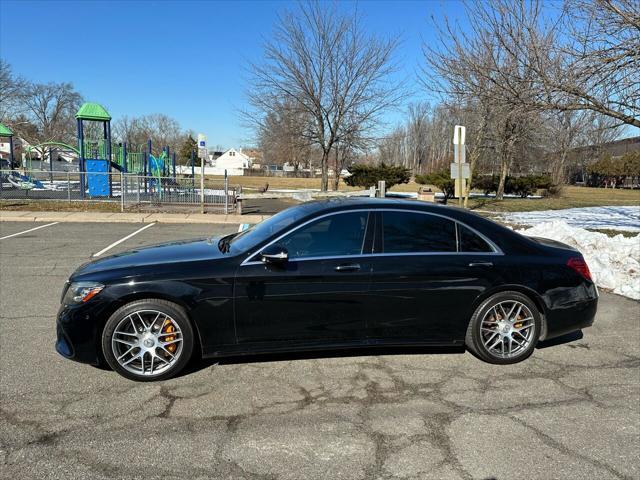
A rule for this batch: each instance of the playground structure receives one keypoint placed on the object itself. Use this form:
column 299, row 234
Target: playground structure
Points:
column 107, row 171
column 98, row 157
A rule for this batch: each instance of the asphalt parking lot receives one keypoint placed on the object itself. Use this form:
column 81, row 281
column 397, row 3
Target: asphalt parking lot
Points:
column 571, row 411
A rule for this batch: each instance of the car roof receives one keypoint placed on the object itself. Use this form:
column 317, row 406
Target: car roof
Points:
column 349, row 203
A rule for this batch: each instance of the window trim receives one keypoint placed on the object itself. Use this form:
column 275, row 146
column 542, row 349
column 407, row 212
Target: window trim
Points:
column 378, row 227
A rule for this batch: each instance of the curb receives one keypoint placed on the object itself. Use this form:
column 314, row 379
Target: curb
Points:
column 103, row 217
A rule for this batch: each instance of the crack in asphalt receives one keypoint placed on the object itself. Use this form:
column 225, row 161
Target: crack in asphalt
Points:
column 375, row 395
column 554, row 444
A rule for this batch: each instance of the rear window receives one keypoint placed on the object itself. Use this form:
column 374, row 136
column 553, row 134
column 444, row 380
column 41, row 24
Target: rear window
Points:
column 471, row 241
column 408, row 232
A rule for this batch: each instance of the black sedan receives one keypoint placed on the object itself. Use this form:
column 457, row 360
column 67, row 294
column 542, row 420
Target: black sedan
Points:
column 327, row 275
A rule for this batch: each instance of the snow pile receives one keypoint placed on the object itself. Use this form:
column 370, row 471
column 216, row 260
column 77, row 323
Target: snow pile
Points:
column 614, row 261
column 613, row 218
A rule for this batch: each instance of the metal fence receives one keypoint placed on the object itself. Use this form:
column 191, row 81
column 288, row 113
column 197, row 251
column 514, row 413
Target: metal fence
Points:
column 127, row 189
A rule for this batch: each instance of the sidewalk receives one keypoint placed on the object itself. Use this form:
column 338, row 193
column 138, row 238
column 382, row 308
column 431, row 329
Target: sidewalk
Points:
column 105, row 217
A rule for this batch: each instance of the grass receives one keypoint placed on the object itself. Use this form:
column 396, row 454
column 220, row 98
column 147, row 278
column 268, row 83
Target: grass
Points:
column 278, row 183
column 59, row 206
column 571, row 197
column 612, row 233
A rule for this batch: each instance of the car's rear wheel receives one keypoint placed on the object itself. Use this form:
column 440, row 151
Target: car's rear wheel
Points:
column 148, row 340
column 504, row 329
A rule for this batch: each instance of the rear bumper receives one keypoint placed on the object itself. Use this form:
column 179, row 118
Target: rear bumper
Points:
column 570, row 318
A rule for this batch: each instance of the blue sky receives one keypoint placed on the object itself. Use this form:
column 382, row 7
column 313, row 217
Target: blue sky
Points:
column 186, row 59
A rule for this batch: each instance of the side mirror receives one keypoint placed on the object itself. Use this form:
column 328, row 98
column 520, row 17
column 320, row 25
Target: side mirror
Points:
column 274, row 254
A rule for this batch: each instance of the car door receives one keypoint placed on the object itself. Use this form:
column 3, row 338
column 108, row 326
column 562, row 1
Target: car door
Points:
column 319, row 294
column 422, row 284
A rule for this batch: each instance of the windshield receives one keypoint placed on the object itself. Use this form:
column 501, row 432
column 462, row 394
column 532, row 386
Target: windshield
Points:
column 243, row 241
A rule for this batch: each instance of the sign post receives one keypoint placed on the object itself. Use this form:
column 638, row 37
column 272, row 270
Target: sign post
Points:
column 202, row 153
column 459, row 168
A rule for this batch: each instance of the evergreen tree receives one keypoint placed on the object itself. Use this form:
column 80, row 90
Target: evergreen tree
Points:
column 184, row 152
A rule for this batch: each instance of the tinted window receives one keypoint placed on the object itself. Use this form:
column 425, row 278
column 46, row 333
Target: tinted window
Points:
column 471, row 242
column 263, row 230
column 406, row 232
column 340, row 234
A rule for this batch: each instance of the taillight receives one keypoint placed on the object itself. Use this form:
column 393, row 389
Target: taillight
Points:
column 580, row 266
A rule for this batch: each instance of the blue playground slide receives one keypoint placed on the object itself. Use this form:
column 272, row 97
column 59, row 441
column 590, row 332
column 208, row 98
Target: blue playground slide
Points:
column 23, row 182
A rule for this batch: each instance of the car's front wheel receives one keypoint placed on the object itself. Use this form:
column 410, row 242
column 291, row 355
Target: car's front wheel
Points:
column 504, row 329
column 148, row 340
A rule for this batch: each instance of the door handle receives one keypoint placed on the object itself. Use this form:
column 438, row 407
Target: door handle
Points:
column 347, row 267
column 481, row 264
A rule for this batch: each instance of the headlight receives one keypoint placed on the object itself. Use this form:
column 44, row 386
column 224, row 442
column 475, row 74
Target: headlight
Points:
column 81, row 292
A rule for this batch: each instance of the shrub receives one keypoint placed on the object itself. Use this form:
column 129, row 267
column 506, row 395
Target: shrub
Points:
column 486, row 183
column 522, row 186
column 440, row 180
column 369, row 175
column 553, row 191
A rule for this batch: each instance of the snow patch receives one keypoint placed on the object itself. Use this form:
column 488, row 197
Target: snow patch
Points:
column 614, row 261
column 612, row 218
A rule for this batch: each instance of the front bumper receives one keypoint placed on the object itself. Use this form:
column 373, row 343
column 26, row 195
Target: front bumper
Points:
column 78, row 330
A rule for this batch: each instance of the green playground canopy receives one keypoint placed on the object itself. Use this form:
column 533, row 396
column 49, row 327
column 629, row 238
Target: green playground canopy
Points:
column 5, row 131
column 93, row 111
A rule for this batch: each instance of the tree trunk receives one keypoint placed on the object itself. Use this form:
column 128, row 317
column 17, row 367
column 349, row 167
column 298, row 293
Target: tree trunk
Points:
column 503, row 176
column 557, row 176
column 336, row 173
column 324, row 166
column 472, row 166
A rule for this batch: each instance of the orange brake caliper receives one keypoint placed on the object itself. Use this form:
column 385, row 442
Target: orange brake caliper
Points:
column 169, row 328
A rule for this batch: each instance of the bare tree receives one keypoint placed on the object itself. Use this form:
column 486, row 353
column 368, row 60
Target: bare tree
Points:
column 603, row 55
column 585, row 60
column 49, row 114
column 323, row 62
column 279, row 136
column 349, row 145
column 11, row 92
column 162, row 130
column 476, row 66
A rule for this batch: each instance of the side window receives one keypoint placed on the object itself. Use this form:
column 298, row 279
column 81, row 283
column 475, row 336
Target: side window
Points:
column 471, row 242
column 407, row 232
column 335, row 235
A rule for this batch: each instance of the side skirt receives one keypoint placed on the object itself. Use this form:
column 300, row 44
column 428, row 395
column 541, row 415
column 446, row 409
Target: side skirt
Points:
column 374, row 346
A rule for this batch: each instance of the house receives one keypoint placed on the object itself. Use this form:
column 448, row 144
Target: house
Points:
column 233, row 161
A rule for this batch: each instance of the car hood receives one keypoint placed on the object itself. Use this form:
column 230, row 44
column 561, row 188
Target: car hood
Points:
column 162, row 254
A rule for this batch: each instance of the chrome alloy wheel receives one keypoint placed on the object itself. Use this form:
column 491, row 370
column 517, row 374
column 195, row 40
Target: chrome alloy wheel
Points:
column 507, row 329
column 147, row 342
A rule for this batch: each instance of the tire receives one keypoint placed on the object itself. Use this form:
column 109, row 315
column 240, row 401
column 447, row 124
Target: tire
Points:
column 499, row 335
column 148, row 340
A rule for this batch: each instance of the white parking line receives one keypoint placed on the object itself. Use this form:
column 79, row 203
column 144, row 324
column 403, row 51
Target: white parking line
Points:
column 114, row 244
column 27, row 231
